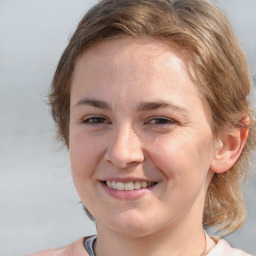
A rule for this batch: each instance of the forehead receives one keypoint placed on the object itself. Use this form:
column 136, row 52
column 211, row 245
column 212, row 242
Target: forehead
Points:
column 128, row 57
column 128, row 66
column 126, row 49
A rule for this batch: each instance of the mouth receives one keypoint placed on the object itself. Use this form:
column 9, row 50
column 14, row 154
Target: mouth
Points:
column 129, row 186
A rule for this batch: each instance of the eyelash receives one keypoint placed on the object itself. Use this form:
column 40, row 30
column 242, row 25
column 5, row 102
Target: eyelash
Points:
column 95, row 120
column 161, row 121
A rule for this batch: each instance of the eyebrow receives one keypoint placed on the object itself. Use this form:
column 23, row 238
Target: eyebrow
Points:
column 93, row 103
column 144, row 106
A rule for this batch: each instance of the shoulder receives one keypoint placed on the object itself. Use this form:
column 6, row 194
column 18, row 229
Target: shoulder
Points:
column 74, row 249
column 222, row 248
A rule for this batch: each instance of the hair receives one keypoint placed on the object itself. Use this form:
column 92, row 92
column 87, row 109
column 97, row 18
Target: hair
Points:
column 220, row 70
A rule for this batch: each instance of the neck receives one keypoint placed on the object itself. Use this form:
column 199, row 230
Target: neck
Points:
column 182, row 240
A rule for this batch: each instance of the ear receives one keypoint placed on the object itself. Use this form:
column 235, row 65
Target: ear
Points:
column 229, row 148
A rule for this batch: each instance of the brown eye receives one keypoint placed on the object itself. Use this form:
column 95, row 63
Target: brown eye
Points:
column 161, row 121
column 95, row 120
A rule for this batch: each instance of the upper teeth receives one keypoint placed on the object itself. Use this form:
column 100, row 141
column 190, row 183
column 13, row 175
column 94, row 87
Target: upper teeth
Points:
column 129, row 185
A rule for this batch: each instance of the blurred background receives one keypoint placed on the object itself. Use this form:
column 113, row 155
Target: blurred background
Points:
column 39, row 207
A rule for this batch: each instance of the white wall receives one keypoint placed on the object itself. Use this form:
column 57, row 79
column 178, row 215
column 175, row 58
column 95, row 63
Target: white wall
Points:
column 39, row 207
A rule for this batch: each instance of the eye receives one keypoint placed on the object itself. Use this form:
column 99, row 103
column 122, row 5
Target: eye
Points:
column 95, row 120
column 161, row 121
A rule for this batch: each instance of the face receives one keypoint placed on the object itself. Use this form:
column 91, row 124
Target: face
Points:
column 140, row 142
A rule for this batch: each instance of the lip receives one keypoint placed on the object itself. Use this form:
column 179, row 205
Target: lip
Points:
column 125, row 194
column 127, row 179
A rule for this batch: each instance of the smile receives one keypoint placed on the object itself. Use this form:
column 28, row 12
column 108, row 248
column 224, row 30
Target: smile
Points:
column 129, row 186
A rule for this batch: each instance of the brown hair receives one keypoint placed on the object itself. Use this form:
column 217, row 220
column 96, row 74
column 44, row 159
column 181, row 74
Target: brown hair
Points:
column 215, row 54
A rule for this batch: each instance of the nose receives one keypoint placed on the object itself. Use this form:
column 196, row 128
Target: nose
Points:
column 125, row 149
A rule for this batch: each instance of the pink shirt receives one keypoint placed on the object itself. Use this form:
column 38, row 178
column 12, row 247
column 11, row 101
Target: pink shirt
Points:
column 221, row 248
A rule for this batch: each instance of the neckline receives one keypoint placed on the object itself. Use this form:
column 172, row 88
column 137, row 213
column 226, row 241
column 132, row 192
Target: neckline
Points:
column 209, row 245
column 89, row 245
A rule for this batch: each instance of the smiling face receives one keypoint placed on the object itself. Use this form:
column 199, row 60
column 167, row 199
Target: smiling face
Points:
column 140, row 142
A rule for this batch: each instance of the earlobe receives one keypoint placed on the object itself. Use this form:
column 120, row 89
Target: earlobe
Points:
column 228, row 149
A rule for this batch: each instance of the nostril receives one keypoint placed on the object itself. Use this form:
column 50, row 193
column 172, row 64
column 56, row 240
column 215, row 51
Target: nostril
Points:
column 124, row 161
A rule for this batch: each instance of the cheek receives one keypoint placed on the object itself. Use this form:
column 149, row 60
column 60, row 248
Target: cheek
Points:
column 85, row 153
column 183, row 156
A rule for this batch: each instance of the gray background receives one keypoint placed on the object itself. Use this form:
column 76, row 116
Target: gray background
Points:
column 39, row 207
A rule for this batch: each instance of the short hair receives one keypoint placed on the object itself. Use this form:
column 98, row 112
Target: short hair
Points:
column 218, row 63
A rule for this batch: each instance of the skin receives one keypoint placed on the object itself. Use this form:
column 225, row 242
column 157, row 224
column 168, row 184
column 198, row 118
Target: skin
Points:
column 135, row 114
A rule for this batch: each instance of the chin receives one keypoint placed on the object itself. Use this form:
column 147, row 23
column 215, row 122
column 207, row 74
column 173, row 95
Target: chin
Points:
column 129, row 225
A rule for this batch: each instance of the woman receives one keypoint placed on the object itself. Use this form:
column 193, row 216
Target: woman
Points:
column 151, row 98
